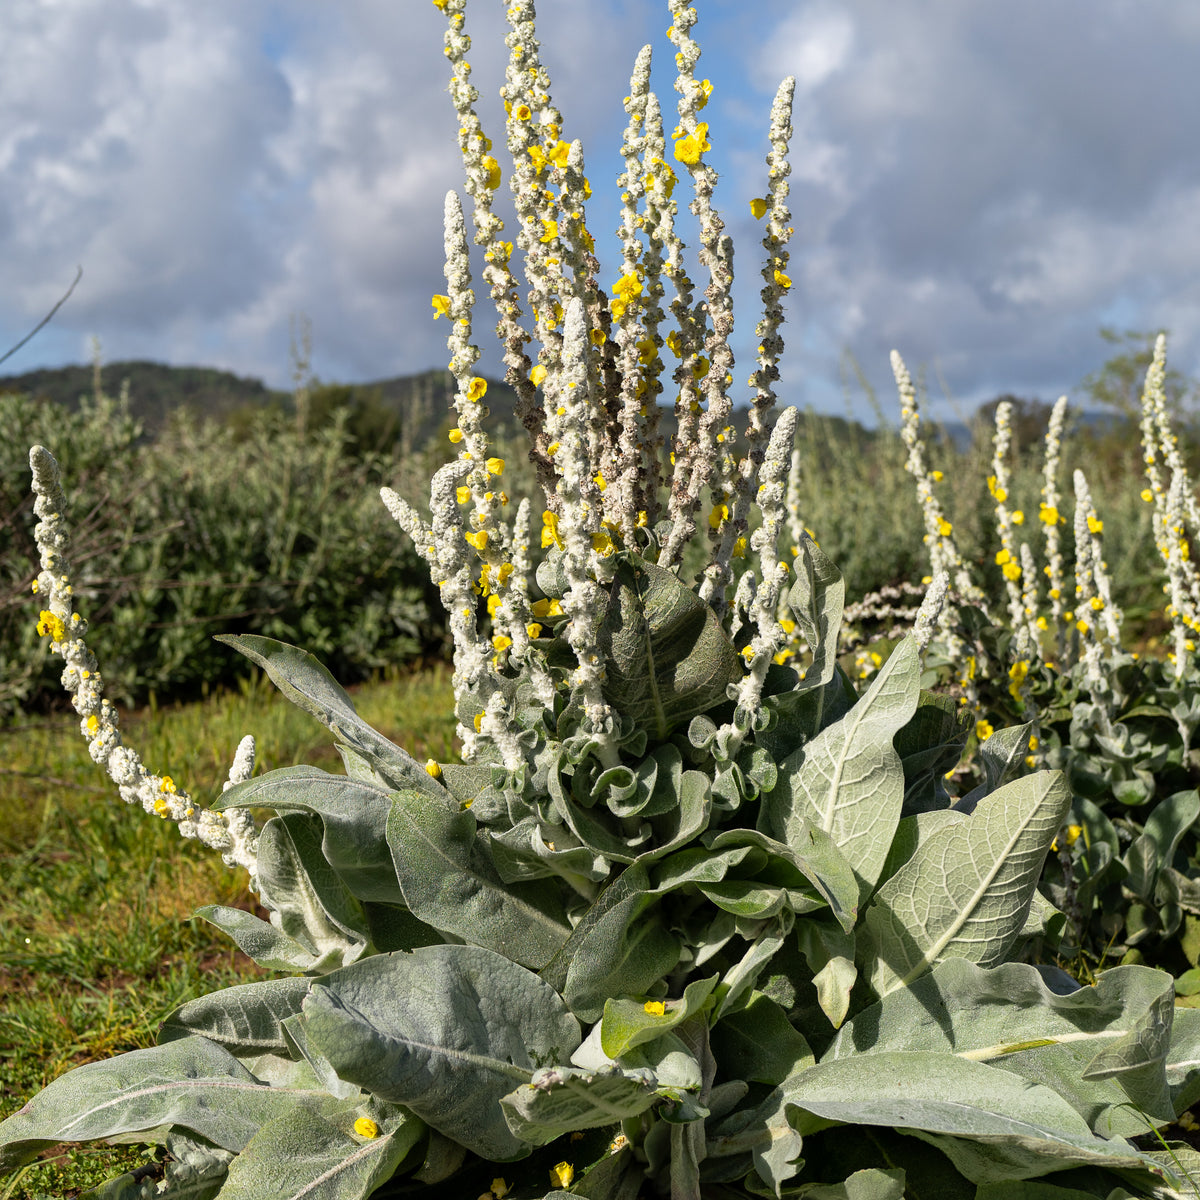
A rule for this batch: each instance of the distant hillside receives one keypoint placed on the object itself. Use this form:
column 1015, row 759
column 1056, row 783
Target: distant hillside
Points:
column 155, row 389
column 404, row 411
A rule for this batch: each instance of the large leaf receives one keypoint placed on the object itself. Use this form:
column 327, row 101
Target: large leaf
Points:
column 449, row 881
column 446, row 1031
column 353, row 814
column 666, row 657
column 303, row 1156
column 816, row 600
column 1104, row 1048
column 848, row 781
column 966, row 891
column 942, row 1094
column 621, row 946
column 247, row 1019
column 317, row 924
column 308, row 685
column 192, row 1083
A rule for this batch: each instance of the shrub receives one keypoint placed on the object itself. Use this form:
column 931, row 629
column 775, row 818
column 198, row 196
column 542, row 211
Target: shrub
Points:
column 201, row 532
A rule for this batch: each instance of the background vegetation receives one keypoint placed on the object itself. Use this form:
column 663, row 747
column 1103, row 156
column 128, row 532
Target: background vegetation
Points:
column 263, row 516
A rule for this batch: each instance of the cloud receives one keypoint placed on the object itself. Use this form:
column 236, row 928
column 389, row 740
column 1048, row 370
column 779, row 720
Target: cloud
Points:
column 979, row 186
column 1005, row 176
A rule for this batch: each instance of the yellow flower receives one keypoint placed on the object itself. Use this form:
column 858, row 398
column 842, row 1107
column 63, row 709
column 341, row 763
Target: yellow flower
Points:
column 495, row 466
column 655, row 1008
column 739, row 548
column 1002, row 556
column 937, row 476
column 561, row 1175
column 478, row 722
column 500, row 642
column 51, row 625
column 522, row 112
column 689, row 148
column 550, row 230
column 433, row 768
column 1012, row 571
column 546, row 608
column 758, row 208
column 1041, row 623
column 599, row 480
column 441, row 306
column 538, row 375
column 93, row 724
column 983, row 730
column 456, row 436
column 558, row 153
column 1095, row 525
column 1147, row 495
column 783, row 280
column 476, row 389
column 550, row 535
column 462, row 494
column 478, row 540
column 944, row 527
column 168, row 785
column 493, row 172
column 1048, row 514
column 1017, row 517
column 500, row 1187
column 719, row 513
column 534, row 630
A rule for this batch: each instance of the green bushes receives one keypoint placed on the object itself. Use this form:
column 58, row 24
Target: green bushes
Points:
column 204, row 531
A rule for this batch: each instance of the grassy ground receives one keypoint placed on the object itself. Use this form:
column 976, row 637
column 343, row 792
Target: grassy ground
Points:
column 97, row 943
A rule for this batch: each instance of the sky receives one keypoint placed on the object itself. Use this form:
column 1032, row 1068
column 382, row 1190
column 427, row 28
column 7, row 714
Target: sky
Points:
column 980, row 186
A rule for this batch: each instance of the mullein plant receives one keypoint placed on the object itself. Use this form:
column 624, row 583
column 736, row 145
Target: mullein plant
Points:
column 1121, row 726
column 690, row 915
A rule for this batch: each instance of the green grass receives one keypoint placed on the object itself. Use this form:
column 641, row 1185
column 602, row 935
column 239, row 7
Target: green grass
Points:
column 97, row 943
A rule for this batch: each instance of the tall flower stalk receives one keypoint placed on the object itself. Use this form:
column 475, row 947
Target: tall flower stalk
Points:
column 233, row 834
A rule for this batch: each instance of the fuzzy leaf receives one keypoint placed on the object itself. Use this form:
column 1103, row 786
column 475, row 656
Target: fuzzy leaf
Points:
column 816, row 600
column 871, row 1184
column 446, row 1031
column 1103, row 1048
column 247, row 1019
column 627, row 1023
column 353, row 815
column 999, row 756
column 666, row 657
column 302, row 1156
column 309, row 685
column 563, row 1099
column 311, row 901
column 262, row 942
column 192, row 1083
column 943, row 1094
column 449, row 881
column 966, row 891
column 813, row 857
column 848, row 781
column 763, row 1043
